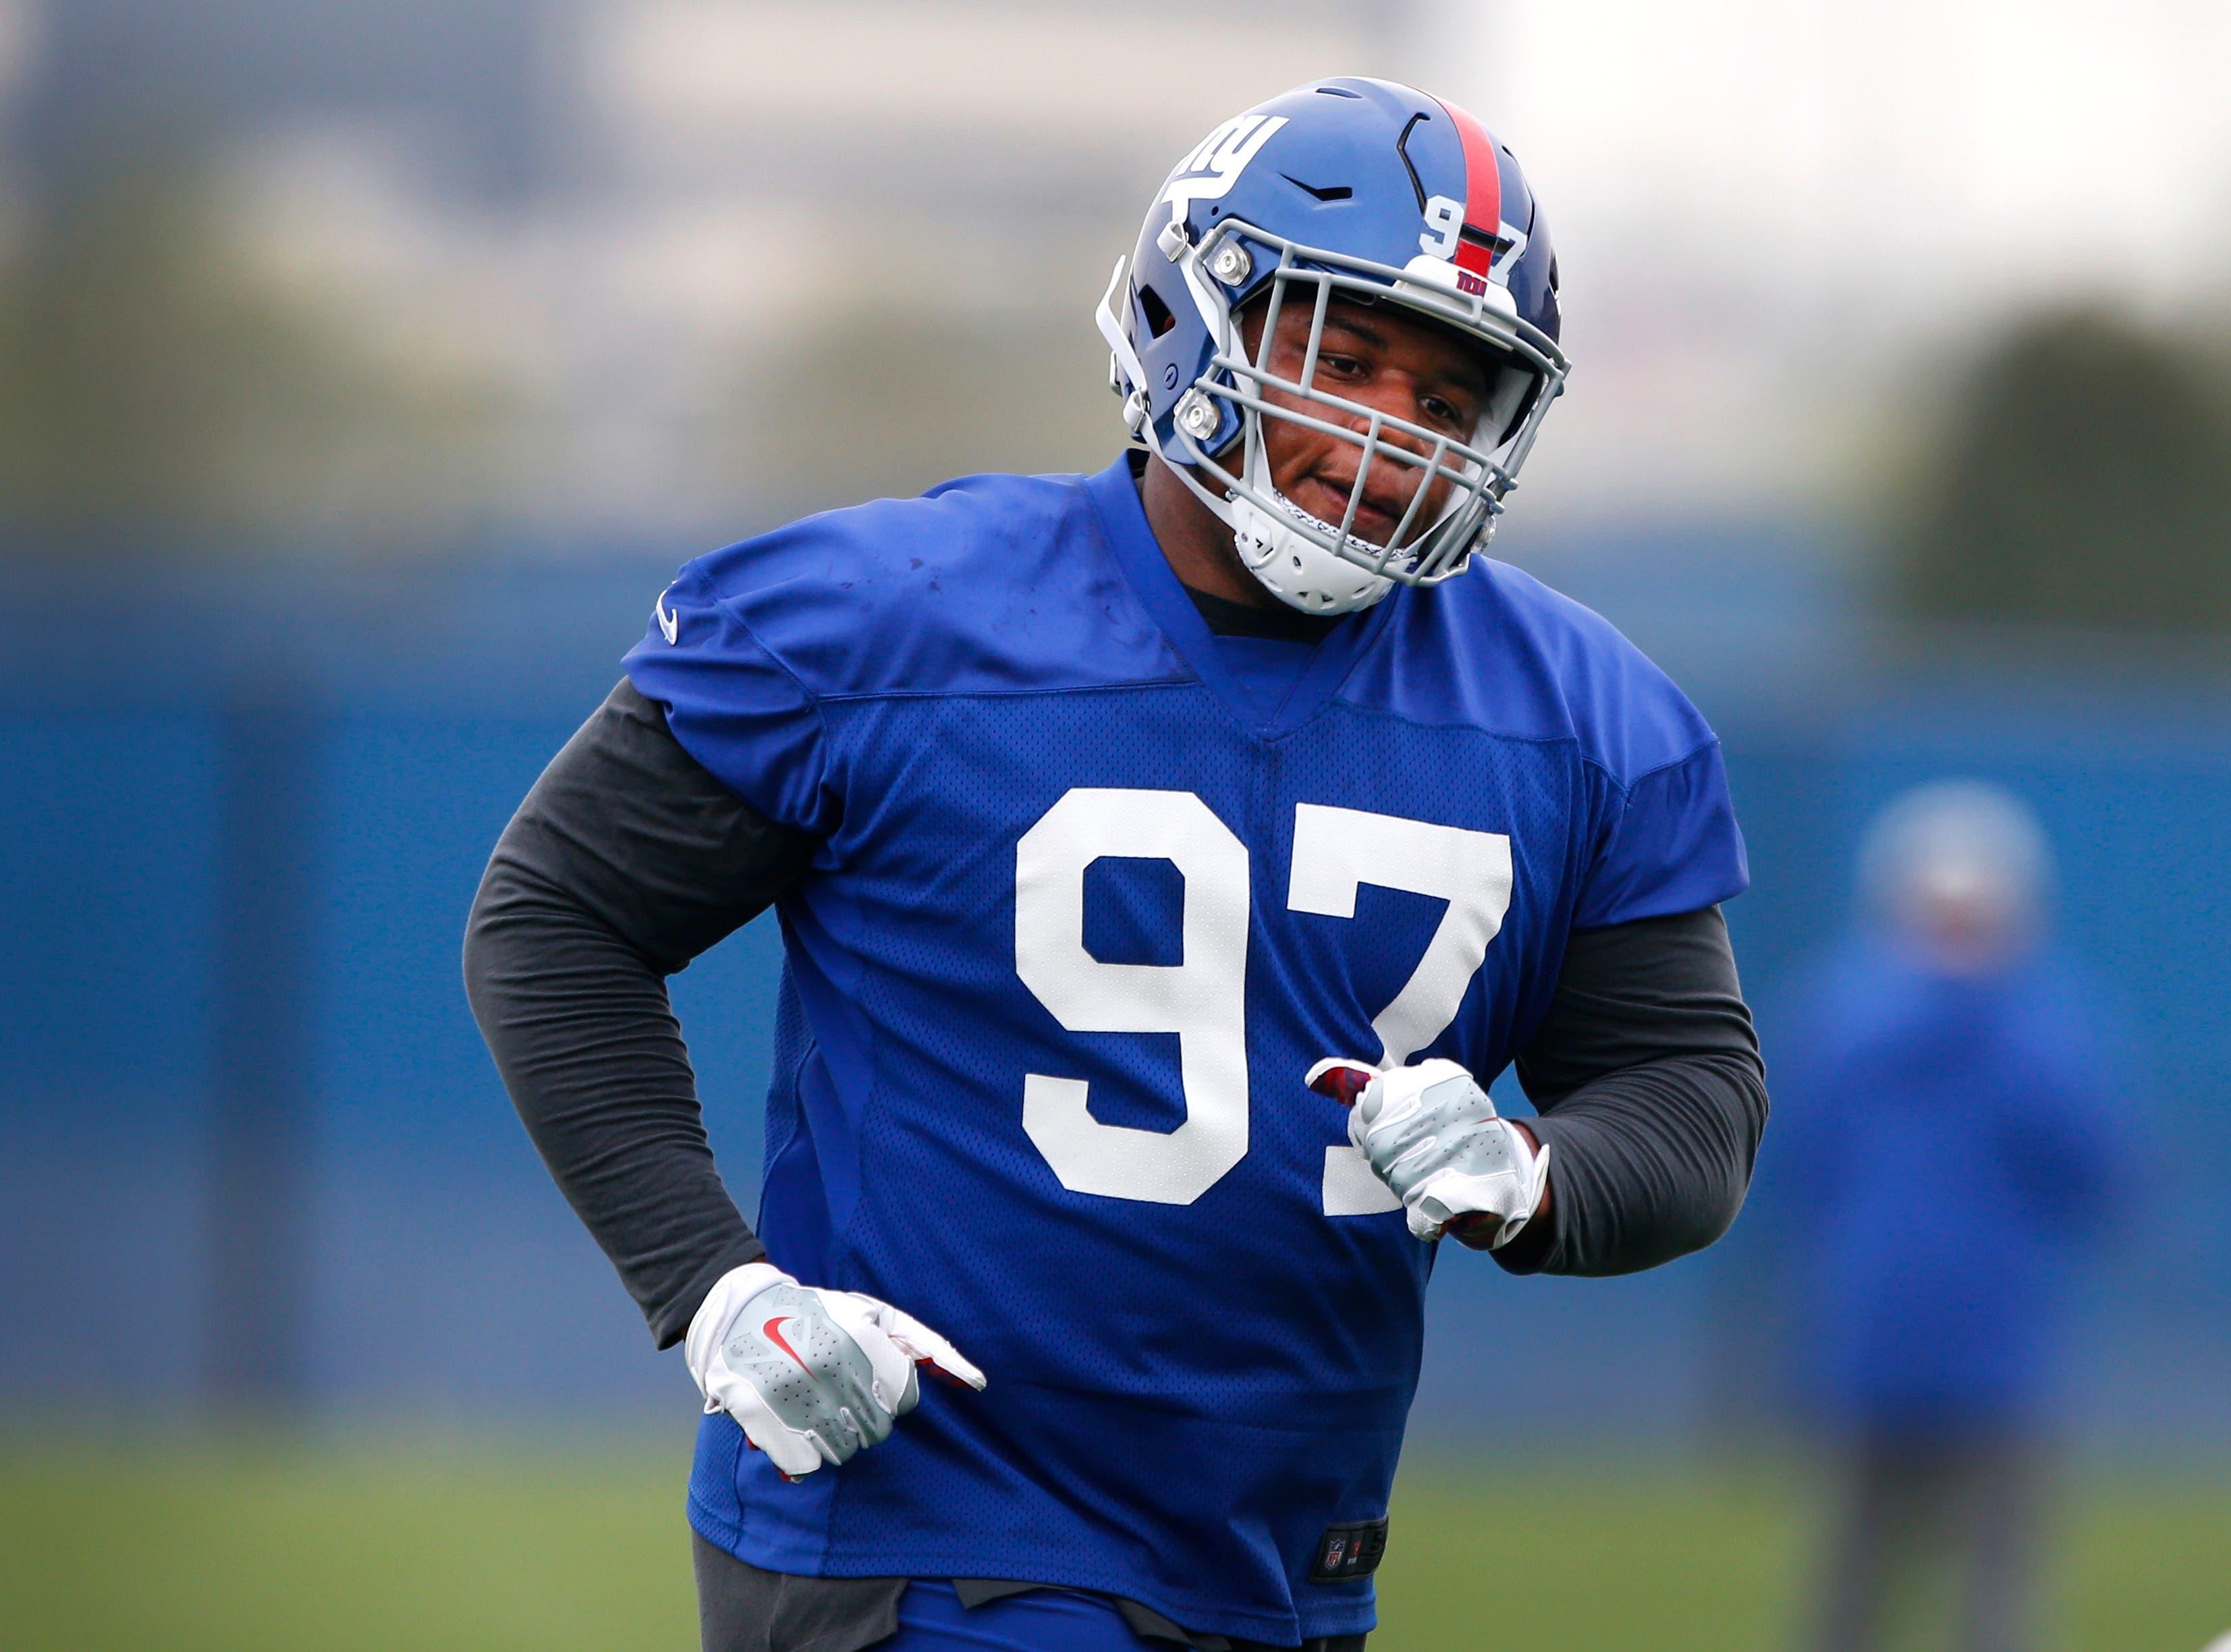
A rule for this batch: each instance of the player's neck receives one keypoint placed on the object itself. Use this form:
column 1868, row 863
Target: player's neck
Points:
column 1198, row 546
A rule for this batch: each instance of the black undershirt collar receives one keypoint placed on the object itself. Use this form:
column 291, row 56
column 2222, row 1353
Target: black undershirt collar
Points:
column 1226, row 617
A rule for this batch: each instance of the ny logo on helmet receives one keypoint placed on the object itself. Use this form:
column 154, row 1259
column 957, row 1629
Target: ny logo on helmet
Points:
column 1214, row 163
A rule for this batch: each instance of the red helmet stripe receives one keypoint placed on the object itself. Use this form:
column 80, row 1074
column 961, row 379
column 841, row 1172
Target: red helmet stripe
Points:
column 1483, row 191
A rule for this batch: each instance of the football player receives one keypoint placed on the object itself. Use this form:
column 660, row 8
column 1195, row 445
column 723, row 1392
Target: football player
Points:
column 1166, row 859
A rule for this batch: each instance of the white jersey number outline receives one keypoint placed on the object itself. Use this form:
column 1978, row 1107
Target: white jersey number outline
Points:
column 1202, row 998
column 1337, row 850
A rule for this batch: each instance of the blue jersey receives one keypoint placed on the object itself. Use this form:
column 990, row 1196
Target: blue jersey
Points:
column 1093, row 892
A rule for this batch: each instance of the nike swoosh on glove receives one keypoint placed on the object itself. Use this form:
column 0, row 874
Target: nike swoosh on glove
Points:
column 1433, row 1137
column 812, row 1377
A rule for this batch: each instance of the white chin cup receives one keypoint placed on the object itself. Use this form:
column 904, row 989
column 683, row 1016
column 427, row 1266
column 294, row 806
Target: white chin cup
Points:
column 1295, row 567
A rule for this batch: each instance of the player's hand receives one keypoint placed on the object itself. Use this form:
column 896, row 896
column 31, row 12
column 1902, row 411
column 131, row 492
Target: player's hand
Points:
column 811, row 1377
column 1432, row 1137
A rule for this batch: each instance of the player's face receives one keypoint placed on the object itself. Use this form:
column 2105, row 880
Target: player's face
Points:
column 1390, row 362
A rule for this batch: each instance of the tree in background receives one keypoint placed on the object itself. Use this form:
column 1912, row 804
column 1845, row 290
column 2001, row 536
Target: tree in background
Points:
column 156, row 380
column 2086, row 482
column 877, row 400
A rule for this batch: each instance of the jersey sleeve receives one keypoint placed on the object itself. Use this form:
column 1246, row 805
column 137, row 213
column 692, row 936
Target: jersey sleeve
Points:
column 1670, row 844
column 732, row 702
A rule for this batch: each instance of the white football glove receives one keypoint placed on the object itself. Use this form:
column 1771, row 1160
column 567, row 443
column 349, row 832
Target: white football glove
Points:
column 811, row 1377
column 1432, row 1137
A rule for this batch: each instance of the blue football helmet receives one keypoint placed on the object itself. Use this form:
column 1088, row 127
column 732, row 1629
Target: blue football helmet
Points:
column 1382, row 195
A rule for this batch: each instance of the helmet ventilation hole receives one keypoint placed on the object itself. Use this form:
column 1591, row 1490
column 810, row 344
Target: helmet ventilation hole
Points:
column 1158, row 313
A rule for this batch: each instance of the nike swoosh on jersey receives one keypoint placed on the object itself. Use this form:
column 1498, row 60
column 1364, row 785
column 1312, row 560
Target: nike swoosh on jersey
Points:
column 670, row 624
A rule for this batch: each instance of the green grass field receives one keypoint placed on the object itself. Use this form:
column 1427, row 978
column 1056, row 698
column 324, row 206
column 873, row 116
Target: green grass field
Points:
column 408, row 1545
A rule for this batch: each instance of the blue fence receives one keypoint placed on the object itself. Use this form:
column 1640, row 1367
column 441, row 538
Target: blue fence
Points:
column 430, row 1245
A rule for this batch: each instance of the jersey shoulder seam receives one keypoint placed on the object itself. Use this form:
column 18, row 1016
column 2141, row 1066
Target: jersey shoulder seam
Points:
column 1407, row 720
column 727, row 605
column 1688, row 756
column 853, row 696
column 1567, row 739
column 812, row 700
column 1623, row 788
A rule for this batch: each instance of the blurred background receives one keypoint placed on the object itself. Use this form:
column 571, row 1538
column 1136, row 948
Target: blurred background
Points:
column 366, row 368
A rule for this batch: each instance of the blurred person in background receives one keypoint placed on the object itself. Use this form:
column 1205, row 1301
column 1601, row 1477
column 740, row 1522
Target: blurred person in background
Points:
column 1951, row 1144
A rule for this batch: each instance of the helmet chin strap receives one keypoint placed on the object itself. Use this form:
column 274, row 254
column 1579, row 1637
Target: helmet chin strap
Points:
column 1295, row 567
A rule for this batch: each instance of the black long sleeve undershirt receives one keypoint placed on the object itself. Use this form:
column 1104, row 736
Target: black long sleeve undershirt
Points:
column 1652, row 1093
column 628, row 859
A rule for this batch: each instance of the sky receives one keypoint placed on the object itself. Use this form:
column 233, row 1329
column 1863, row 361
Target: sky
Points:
column 1960, row 150
column 1783, row 224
